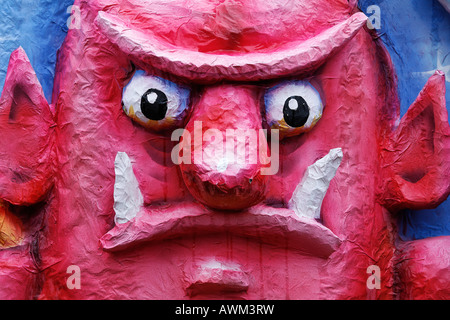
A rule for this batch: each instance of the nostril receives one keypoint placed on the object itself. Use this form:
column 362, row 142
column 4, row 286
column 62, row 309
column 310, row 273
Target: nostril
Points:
column 239, row 195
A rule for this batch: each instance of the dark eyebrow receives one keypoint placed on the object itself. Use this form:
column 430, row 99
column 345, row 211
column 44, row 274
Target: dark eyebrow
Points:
column 299, row 57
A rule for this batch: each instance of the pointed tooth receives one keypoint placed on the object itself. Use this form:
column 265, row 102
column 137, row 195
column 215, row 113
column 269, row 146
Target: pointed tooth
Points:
column 128, row 199
column 307, row 198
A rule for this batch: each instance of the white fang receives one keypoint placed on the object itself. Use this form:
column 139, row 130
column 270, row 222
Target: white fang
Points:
column 307, row 198
column 128, row 199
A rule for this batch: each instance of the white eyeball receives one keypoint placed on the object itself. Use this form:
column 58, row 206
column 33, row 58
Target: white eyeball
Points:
column 155, row 103
column 293, row 107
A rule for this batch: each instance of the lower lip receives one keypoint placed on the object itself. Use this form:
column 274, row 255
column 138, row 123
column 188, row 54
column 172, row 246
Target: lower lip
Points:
column 216, row 278
column 275, row 226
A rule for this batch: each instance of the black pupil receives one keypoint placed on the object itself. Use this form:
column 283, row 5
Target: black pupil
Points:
column 154, row 104
column 295, row 111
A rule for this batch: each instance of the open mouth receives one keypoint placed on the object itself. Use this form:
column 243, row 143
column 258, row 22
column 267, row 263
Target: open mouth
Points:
column 296, row 226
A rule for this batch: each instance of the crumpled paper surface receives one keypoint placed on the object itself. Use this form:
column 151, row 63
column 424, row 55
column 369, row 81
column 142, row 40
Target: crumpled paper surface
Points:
column 325, row 260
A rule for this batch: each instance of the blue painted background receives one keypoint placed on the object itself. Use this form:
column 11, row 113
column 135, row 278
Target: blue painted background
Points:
column 39, row 26
column 416, row 33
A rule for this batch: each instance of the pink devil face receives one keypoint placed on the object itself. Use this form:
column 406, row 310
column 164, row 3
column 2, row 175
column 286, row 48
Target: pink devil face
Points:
column 228, row 149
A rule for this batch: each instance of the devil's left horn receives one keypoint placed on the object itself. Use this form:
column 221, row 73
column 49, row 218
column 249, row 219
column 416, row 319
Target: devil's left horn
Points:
column 27, row 135
column 416, row 159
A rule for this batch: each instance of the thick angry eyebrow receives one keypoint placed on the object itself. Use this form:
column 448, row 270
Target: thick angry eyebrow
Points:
column 298, row 58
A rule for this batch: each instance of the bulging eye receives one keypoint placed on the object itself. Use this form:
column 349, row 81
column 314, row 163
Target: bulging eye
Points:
column 155, row 103
column 293, row 107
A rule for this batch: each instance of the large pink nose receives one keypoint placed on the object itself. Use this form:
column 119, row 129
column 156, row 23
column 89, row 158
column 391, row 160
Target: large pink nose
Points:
column 226, row 142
